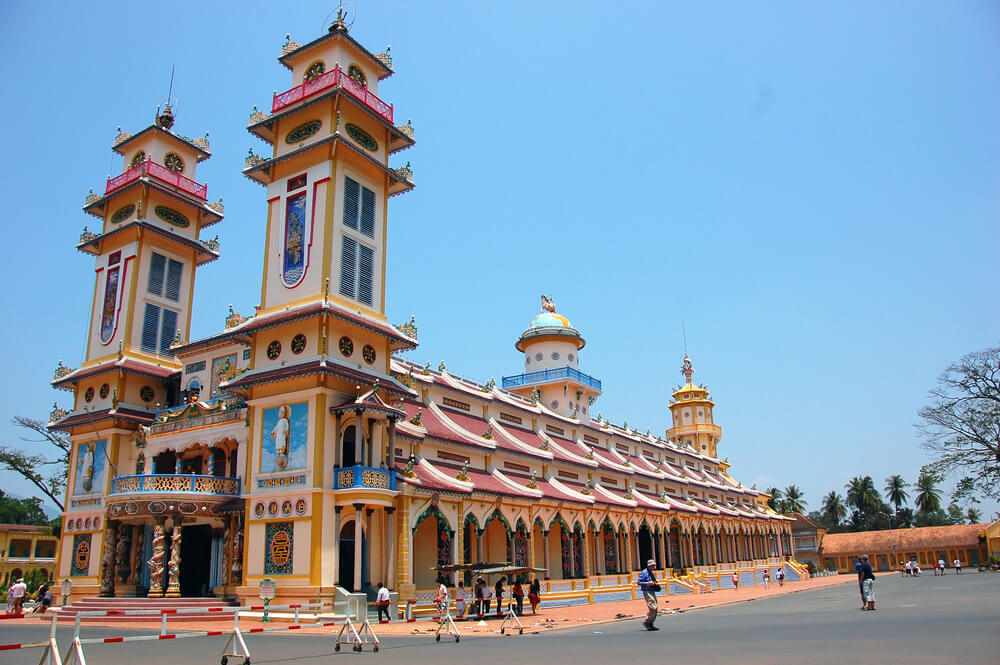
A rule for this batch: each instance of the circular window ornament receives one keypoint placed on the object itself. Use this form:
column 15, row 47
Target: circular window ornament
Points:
column 137, row 159
column 146, row 393
column 300, row 507
column 89, row 394
column 355, row 73
column 317, row 68
column 258, row 510
column 345, row 345
column 538, row 356
column 555, row 355
column 171, row 216
column 368, row 353
column 366, row 140
column 174, row 162
column 570, row 357
column 298, row 344
column 105, row 391
column 286, row 507
column 273, row 350
column 303, row 131
column 122, row 213
column 272, row 508
column 555, row 404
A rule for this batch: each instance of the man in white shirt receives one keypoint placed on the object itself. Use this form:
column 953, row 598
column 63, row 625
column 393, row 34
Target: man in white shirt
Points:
column 16, row 595
column 382, row 603
column 941, row 566
column 958, row 566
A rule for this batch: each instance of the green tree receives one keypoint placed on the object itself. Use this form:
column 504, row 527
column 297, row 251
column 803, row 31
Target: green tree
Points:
column 961, row 425
column 932, row 518
column 774, row 503
column 904, row 518
column 834, row 510
column 895, row 491
column 46, row 469
column 22, row 511
column 794, row 503
column 928, row 498
column 862, row 495
column 974, row 516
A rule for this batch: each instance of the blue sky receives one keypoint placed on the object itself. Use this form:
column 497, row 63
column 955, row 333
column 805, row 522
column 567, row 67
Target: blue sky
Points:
column 811, row 188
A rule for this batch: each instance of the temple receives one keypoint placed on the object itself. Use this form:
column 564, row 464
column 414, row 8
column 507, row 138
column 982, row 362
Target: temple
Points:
column 299, row 444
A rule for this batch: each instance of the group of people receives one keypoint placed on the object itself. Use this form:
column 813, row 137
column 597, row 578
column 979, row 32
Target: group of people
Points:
column 18, row 591
column 483, row 595
column 911, row 568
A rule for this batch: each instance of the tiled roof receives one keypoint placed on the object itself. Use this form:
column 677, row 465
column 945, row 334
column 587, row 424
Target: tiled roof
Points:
column 903, row 540
column 124, row 364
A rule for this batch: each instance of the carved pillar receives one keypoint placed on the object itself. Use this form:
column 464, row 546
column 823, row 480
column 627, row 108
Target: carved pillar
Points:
column 390, row 535
column 236, row 567
column 336, row 544
column 156, row 562
column 371, row 441
column 138, row 542
column 108, row 558
column 369, row 555
column 457, row 546
column 390, row 453
column 174, row 564
column 545, row 554
column 337, row 461
column 572, row 555
column 123, row 554
column 358, row 535
column 479, row 544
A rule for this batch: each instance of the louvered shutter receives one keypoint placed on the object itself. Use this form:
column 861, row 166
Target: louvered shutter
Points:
column 168, row 330
column 150, row 326
column 366, row 274
column 368, row 212
column 352, row 194
column 157, row 264
column 173, row 288
column 348, row 261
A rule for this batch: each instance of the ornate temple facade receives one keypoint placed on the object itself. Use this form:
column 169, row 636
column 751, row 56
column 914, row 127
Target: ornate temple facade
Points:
column 297, row 444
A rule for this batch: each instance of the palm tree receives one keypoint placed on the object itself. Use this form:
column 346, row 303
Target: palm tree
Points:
column 794, row 503
column 974, row 516
column 895, row 491
column 833, row 509
column 904, row 518
column 861, row 494
column 775, row 501
column 928, row 499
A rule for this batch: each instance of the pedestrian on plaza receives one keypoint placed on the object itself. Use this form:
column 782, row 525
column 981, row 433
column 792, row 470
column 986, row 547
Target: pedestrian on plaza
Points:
column 487, row 597
column 781, row 576
column 766, row 577
column 382, row 602
column 736, row 581
column 480, row 596
column 958, row 566
column 867, row 579
column 861, row 589
column 941, row 564
column 535, row 594
column 649, row 587
column 16, row 595
column 460, row 601
column 498, row 587
column 517, row 593
column 44, row 601
column 441, row 599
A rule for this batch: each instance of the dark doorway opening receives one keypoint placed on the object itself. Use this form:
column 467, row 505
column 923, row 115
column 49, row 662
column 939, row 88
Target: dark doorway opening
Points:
column 347, row 561
column 645, row 546
column 350, row 447
column 165, row 462
column 196, row 560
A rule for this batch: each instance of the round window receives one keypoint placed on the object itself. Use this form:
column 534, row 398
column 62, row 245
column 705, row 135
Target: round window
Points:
column 146, row 393
column 368, row 353
column 89, row 394
column 538, row 356
column 555, row 356
column 105, row 390
column 527, row 360
column 570, row 356
column 298, row 344
column 273, row 350
column 555, row 404
column 346, row 345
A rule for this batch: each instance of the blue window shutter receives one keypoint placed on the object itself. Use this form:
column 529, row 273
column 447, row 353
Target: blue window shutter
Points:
column 348, row 261
column 157, row 264
column 150, row 326
column 173, row 290
column 366, row 274
column 168, row 330
column 368, row 212
column 352, row 194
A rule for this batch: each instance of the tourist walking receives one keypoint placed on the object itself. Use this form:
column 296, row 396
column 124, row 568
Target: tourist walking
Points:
column 517, row 593
column 867, row 579
column 736, row 581
column 766, row 577
column 958, row 566
column 535, row 594
column 649, row 587
column 781, row 576
column 441, row 599
column 487, row 597
column 44, row 600
column 15, row 596
column 460, row 600
column 480, row 596
column 382, row 602
column 498, row 587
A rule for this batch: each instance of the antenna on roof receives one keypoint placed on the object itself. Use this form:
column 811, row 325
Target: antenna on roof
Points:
column 170, row 90
column 166, row 119
column 684, row 335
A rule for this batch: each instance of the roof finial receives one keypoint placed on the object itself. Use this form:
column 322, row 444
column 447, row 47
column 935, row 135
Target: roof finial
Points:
column 687, row 369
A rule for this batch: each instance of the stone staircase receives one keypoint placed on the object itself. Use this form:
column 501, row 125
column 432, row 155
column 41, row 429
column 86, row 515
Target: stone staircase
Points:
column 68, row 613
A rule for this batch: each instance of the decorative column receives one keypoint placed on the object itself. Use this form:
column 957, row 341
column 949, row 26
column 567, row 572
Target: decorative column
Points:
column 337, row 460
column 358, row 535
column 371, row 443
column 390, row 531
column 370, row 554
column 123, row 552
column 545, row 552
column 108, row 558
column 458, row 543
column 404, row 540
column 174, row 565
column 390, row 453
column 572, row 556
column 479, row 545
column 639, row 563
column 236, row 568
column 140, row 533
column 336, row 543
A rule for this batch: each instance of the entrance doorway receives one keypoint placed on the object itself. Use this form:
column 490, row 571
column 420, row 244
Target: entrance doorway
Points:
column 350, row 447
column 346, row 564
column 196, row 558
column 645, row 546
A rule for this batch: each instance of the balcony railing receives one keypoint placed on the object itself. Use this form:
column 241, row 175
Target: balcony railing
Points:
column 327, row 81
column 161, row 173
column 367, row 477
column 175, row 484
column 544, row 375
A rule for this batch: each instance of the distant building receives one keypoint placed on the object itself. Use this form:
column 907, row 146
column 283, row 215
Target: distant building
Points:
column 24, row 547
column 991, row 538
column 807, row 539
column 887, row 549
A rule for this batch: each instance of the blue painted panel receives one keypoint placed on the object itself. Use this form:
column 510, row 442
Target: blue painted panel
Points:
column 747, row 579
column 677, row 588
column 612, row 597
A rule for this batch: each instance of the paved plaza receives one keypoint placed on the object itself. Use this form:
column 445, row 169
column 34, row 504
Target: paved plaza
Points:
column 928, row 620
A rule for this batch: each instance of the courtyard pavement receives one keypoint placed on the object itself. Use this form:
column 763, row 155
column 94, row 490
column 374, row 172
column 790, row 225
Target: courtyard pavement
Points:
column 927, row 620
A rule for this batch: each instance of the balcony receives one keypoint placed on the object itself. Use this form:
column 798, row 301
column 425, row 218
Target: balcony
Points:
column 364, row 477
column 198, row 414
column 175, row 484
column 328, row 81
column 157, row 172
column 545, row 375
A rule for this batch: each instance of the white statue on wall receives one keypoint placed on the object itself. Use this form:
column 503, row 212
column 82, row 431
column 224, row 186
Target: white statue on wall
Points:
column 280, row 434
column 88, row 467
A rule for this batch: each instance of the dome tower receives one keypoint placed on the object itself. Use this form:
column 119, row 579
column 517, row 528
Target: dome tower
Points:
column 693, row 421
column 551, row 348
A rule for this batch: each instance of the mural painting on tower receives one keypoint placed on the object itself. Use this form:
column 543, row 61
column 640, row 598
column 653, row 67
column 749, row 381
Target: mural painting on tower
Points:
column 109, row 307
column 283, row 445
column 223, row 369
column 295, row 233
column 90, row 467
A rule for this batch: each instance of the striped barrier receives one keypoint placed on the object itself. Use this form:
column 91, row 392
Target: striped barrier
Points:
column 51, row 654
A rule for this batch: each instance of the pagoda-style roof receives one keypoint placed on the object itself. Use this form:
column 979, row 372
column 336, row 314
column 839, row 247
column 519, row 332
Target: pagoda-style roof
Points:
column 129, row 365
column 125, row 413
column 206, row 252
column 381, row 62
column 327, row 365
column 199, row 145
column 369, row 402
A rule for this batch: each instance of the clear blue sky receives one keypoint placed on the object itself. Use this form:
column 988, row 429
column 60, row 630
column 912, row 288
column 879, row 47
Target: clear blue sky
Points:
column 810, row 187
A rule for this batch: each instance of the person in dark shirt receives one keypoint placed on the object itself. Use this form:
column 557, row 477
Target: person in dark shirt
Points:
column 867, row 579
column 857, row 569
